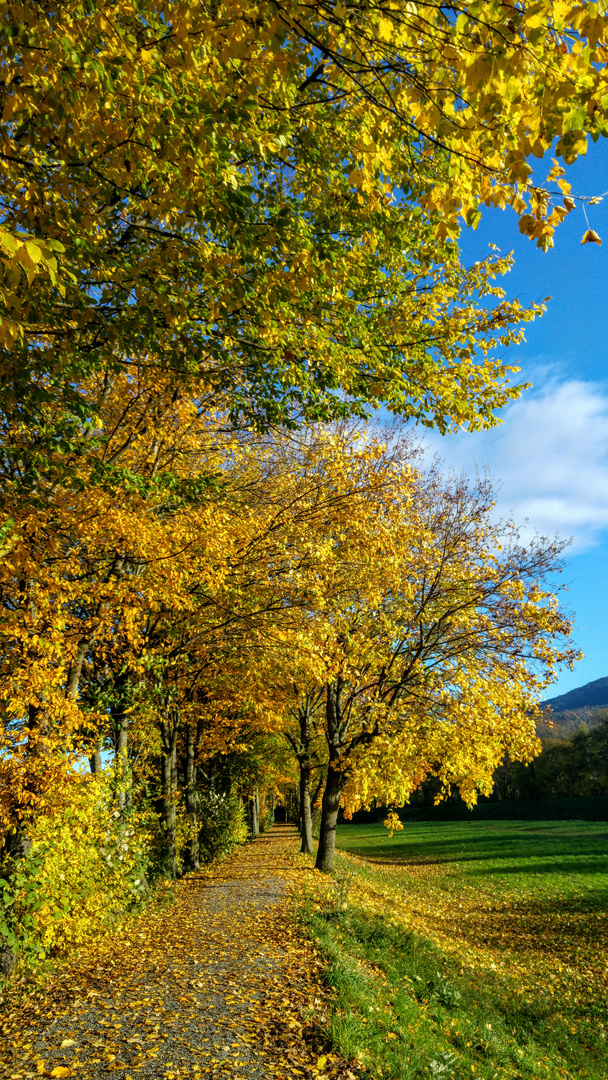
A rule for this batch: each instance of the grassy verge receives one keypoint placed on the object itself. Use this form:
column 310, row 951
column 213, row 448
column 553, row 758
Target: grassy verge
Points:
column 469, row 950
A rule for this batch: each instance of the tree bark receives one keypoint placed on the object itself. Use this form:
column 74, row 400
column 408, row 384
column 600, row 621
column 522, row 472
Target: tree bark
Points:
column 307, row 759
column 194, row 859
column 305, row 810
column 254, row 814
column 335, row 731
column 95, row 761
column 329, row 820
column 121, row 759
column 75, row 671
column 169, row 732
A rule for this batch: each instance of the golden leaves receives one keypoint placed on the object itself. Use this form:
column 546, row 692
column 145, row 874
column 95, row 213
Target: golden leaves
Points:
column 23, row 255
column 393, row 823
column 591, row 237
column 385, row 29
column 217, row 269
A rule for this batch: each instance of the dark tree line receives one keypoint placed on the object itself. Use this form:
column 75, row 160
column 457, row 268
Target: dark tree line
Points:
column 566, row 768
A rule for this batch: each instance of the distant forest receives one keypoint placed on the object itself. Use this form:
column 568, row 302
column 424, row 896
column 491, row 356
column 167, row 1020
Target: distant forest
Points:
column 573, row 762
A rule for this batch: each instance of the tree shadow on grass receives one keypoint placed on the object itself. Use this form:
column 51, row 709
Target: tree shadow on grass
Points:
column 582, row 863
column 528, row 844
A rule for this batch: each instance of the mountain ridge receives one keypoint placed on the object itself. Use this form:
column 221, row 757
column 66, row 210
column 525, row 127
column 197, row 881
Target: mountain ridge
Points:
column 589, row 696
column 586, row 705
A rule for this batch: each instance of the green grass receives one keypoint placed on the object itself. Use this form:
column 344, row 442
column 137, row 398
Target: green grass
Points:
column 473, row 949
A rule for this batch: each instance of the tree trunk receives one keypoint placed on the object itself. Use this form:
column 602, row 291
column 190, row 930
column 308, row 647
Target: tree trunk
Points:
column 305, row 810
column 307, row 759
column 329, row 820
column 123, row 777
column 254, row 814
column 169, row 794
column 95, row 761
column 75, row 670
column 194, row 859
column 335, row 731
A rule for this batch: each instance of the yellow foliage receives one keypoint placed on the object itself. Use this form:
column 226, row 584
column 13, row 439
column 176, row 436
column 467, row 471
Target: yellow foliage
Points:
column 86, row 866
column 392, row 822
column 214, row 267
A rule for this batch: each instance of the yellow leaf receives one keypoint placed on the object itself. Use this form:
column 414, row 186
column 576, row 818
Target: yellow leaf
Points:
column 321, row 1062
column 68, row 1042
column 33, row 252
column 591, row 237
column 60, row 1070
column 385, row 29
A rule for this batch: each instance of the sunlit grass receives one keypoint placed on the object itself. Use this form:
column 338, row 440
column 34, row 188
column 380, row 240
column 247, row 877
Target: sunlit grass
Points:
column 470, row 949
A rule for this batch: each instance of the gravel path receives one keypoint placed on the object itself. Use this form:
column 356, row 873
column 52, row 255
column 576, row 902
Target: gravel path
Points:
column 185, row 993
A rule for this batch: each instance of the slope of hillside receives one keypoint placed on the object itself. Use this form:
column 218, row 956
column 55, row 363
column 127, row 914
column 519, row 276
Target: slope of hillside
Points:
column 587, row 704
column 588, row 696
column 565, row 724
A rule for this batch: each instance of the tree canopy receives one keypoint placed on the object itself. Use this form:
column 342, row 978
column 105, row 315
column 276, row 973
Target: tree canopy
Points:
column 257, row 205
column 228, row 230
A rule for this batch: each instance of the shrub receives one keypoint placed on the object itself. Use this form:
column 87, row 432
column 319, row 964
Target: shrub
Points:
column 84, row 870
column 223, row 824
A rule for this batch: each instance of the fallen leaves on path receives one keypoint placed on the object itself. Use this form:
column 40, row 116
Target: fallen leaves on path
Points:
column 216, row 984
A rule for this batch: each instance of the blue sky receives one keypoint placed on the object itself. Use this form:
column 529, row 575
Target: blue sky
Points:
column 550, row 454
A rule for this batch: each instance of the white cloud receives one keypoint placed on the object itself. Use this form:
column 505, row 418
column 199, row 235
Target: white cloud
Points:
column 550, row 457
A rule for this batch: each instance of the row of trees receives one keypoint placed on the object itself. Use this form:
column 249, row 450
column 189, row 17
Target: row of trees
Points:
column 319, row 592
column 229, row 230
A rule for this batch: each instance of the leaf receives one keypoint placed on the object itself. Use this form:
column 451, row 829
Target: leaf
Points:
column 68, row 1042
column 34, row 252
column 590, row 237
column 60, row 1071
column 385, row 29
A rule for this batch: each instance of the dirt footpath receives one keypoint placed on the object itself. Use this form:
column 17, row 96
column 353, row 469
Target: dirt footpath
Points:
column 216, row 985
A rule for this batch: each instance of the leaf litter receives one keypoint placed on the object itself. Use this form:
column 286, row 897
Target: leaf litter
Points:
column 216, row 984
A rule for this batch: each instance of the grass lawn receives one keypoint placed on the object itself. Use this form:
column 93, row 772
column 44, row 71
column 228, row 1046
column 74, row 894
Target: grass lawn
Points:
column 469, row 949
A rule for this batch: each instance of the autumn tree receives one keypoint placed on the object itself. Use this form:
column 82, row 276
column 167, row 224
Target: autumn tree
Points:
column 242, row 250
column 438, row 640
